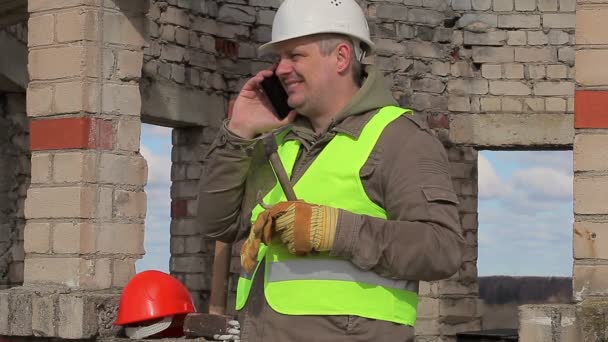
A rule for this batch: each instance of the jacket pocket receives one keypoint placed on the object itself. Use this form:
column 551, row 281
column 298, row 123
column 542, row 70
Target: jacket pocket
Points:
column 438, row 194
column 370, row 164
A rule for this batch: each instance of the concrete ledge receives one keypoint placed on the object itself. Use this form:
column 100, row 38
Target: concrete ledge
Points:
column 592, row 317
column 513, row 131
column 46, row 311
column 548, row 323
column 177, row 106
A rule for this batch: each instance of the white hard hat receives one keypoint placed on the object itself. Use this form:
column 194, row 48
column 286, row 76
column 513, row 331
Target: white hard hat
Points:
column 298, row 18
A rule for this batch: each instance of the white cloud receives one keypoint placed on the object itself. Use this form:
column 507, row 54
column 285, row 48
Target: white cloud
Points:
column 542, row 183
column 560, row 160
column 529, row 188
column 516, row 244
column 489, row 184
column 525, row 217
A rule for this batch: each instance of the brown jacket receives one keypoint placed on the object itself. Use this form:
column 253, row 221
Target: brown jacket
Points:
column 406, row 174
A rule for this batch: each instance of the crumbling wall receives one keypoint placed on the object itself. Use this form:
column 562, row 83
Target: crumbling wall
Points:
column 198, row 54
column 512, row 73
column 517, row 58
column 14, row 181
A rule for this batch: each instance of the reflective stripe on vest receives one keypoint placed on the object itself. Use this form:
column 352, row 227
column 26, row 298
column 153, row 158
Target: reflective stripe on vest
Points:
column 331, row 269
column 320, row 284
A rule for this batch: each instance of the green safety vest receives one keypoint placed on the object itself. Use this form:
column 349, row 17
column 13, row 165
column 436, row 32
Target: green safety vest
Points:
column 321, row 284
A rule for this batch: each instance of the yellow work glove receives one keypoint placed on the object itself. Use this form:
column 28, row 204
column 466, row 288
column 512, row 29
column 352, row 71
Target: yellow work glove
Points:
column 305, row 227
column 261, row 230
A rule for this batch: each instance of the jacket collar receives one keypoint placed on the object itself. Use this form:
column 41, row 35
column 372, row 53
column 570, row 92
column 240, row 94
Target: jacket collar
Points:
column 351, row 125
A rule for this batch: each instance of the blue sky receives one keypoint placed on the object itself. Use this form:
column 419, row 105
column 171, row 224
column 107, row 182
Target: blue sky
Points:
column 156, row 148
column 525, row 209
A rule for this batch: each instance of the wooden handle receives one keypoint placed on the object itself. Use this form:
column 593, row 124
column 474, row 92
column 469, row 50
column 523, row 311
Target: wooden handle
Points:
column 270, row 146
column 219, row 278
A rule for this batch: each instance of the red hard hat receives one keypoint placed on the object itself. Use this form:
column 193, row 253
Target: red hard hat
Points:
column 151, row 295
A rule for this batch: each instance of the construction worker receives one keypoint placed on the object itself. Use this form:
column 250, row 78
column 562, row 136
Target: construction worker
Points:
column 376, row 211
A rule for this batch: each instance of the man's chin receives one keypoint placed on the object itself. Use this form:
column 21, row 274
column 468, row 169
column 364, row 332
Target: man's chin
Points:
column 294, row 103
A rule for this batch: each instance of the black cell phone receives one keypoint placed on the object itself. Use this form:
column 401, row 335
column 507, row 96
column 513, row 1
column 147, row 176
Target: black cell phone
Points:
column 276, row 94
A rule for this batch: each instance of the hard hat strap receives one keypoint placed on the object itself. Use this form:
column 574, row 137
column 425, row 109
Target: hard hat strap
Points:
column 359, row 52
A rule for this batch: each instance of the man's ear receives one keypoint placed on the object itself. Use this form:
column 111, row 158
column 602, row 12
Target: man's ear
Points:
column 343, row 57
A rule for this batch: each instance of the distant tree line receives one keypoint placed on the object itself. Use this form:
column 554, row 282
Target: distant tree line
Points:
column 525, row 290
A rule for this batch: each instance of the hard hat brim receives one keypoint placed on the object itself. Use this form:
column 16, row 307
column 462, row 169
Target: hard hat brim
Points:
column 268, row 48
column 140, row 332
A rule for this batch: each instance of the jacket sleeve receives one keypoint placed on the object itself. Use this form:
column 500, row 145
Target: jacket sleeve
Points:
column 407, row 174
column 222, row 186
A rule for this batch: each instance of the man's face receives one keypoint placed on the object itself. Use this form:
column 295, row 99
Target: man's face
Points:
column 306, row 75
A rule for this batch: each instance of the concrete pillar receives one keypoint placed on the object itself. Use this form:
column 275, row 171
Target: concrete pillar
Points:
column 86, row 205
column 590, row 275
column 590, row 146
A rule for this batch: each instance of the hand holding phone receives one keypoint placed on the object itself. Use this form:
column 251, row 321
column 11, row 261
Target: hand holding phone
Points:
column 252, row 112
column 276, row 95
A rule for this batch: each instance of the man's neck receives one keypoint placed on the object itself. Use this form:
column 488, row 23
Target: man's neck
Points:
column 320, row 123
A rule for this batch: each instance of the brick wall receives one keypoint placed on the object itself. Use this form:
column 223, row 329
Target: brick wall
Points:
column 525, row 53
column 512, row 62
column 191, row 255
column 208, row 45
column 199, row 54
column 14, row 180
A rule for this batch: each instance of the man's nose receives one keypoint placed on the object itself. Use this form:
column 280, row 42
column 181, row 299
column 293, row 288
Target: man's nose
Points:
column 283, row 67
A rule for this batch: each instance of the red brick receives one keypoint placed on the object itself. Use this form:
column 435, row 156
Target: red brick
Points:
column 438, row 121
column 227, row 47
column 591, row 109
column 102, row 135
column 179, row 208
column 71, row 133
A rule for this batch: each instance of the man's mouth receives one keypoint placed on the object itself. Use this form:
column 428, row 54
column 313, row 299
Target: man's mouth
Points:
column 291, row 85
